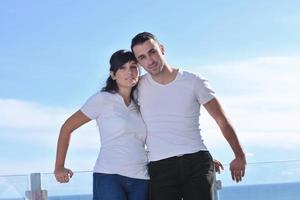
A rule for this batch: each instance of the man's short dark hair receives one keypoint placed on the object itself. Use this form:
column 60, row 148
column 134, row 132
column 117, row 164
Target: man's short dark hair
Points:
column 141, row 38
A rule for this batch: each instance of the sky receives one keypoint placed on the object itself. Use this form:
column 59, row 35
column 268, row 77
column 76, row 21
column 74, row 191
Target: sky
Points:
column 54, row 55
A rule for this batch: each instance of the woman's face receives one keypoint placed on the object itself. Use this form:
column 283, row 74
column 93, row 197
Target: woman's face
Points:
column 127, row 75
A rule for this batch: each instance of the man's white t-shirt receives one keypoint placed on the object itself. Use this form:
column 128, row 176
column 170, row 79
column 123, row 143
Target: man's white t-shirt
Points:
column 122, row 135
column 171, row 113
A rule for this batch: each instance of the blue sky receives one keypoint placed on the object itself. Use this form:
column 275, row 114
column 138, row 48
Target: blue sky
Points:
column 54, row 55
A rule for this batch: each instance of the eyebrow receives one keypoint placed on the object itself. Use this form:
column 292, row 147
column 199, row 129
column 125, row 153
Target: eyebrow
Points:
column 152, row 49
column 142, row 55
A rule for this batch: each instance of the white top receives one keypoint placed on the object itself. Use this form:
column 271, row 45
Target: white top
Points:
column 171, row 113
column 122, row 135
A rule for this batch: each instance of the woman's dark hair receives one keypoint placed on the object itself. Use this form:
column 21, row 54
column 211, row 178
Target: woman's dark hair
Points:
column 116, row 61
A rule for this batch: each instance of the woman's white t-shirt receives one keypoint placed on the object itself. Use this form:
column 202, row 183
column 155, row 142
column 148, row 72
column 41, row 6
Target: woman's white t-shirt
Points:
column 122, row 135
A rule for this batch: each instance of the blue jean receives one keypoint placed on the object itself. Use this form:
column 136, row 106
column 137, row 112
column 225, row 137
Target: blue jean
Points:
column 117, row 187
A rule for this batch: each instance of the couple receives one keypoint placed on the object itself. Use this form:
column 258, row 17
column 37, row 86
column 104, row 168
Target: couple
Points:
column 155, row 121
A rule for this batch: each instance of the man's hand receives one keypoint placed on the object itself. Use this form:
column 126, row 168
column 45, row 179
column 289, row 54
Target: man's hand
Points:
column 237, row 168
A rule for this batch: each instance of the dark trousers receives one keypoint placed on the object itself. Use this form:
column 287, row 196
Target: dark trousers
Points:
column 189, row 176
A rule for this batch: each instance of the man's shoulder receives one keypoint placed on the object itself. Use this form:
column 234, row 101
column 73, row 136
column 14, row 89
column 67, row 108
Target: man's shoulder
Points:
column 192, row 75
column 189, row 74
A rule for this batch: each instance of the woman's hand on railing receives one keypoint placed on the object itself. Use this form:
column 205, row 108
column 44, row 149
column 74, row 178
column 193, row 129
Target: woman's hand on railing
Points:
column 218, row 166
column 63, row 175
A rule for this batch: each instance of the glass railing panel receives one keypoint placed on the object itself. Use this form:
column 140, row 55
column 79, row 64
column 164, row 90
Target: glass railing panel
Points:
column 13, row 187
column 80, row 187
column 266, row 180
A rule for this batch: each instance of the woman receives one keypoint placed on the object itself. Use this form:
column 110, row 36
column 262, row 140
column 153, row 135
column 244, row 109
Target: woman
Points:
column 120, row 171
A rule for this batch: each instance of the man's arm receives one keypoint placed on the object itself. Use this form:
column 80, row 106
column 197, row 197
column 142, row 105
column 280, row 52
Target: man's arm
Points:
column 238, row 164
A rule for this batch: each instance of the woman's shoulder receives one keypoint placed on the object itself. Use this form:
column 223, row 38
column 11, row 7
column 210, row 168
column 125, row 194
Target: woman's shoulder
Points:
column 102, row 96
column 105, row 93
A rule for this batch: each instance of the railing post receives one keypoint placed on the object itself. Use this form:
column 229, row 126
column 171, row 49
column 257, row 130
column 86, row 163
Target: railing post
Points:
column 217, row 185
column 36, row 192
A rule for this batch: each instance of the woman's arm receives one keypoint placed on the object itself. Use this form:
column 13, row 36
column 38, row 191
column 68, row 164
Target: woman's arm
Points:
column 63, row 174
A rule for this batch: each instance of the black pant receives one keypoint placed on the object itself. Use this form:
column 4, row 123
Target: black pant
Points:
column 189, row 177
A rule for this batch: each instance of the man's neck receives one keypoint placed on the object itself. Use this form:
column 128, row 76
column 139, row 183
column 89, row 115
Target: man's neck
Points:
column 167, row 75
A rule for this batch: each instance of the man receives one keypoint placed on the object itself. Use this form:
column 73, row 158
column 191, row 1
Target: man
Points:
column 170, row 100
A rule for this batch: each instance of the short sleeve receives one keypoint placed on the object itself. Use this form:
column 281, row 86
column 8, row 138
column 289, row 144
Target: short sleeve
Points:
column 203, row 91
column 94, row 105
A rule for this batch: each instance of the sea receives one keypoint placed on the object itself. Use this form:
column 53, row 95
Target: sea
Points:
column 278, row 191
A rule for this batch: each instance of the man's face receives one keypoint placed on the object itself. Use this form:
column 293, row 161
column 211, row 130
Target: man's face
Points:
column 150, row 56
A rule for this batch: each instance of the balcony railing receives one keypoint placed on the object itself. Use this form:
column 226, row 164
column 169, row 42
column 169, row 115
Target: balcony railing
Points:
column 264, row 180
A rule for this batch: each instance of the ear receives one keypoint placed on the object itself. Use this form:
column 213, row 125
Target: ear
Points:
column 162, row 48
column 112, row 76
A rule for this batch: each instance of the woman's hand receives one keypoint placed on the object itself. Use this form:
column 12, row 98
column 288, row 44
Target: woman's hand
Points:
column 218, row 166
column 63, row 175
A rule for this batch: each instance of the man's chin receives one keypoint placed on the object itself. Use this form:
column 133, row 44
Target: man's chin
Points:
column 154, row 73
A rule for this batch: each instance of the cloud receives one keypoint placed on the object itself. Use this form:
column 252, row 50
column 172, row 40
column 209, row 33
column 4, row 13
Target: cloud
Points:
column 261, row 99
column 29, row 115
column 30, row 130
column 45, row 164
column 35, row 123
column 280, row 140
column 262, row 75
